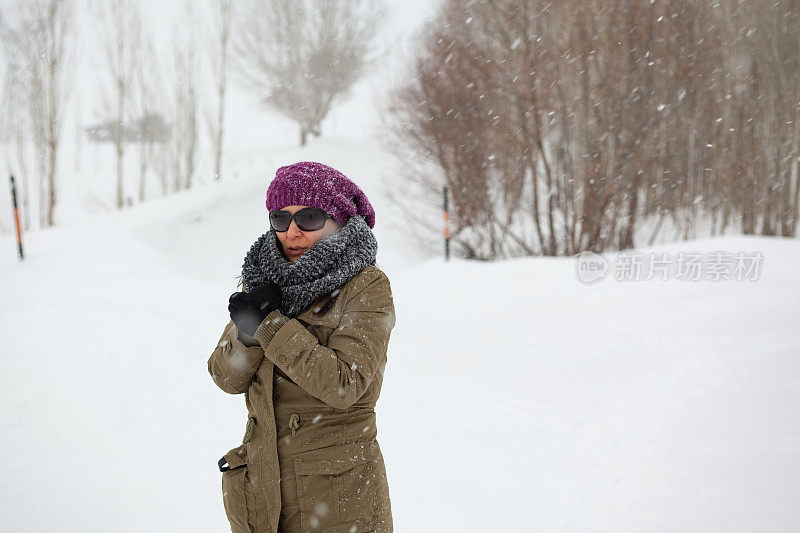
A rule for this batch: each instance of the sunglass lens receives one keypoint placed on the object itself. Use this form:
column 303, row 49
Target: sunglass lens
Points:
column 280, row 220
column 310, row 219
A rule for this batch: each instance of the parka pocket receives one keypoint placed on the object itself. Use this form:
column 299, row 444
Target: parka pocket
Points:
column 336, row 488
column 234, row 497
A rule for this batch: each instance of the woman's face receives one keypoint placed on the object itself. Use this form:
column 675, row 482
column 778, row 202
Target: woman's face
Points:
column 294, row 237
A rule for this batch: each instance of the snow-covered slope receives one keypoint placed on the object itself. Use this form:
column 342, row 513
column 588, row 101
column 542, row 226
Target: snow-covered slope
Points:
column 516, row 397
column 523, row 400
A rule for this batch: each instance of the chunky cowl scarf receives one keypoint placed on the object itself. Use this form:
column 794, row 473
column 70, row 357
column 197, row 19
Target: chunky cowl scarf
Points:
column 322, row 269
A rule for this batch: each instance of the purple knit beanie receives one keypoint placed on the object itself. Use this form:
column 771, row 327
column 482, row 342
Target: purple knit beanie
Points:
column 317, row 185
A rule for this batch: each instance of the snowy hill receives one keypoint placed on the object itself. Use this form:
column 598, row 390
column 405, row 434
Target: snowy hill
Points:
column 516, row 397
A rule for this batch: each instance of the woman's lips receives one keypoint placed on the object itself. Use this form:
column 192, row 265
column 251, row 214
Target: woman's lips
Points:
column 297, row 250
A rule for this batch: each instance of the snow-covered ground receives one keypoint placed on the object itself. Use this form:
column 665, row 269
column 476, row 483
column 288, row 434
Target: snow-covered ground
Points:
column 516, row 397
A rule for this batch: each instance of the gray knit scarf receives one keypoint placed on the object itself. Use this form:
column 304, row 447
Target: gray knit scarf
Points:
column 322, row 269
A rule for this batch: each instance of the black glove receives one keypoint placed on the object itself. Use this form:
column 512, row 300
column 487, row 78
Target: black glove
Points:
column 248, row 309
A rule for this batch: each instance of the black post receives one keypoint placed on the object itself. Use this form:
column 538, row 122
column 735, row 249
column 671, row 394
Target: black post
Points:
column 16, row 216
column 446, row 227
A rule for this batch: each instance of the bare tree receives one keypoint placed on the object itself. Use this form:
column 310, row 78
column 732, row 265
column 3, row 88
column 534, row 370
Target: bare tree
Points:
column 119, row 31
column 776, row 35
column 13, row 136
column 185, row 105
column 301, row 55
column 218, row 57
column 42, row 40
column 149, row 129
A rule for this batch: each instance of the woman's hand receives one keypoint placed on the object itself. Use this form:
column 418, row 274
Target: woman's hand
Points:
column 248, row 309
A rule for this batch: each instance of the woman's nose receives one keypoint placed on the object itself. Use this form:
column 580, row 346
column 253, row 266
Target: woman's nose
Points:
column 293, row 229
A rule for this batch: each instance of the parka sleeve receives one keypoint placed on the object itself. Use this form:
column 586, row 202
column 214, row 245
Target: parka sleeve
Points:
column 232, row 363
column 340, row 372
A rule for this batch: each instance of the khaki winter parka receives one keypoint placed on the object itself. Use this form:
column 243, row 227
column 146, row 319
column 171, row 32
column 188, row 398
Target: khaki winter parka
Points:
column 310, row 459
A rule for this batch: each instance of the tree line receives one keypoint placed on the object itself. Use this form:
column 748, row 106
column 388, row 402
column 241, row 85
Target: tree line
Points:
column 162, row 98
column 577, row 125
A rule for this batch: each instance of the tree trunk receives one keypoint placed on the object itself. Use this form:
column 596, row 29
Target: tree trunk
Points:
column 120, row 201
column 51, row 184
column 41, row 173
column 143, row 152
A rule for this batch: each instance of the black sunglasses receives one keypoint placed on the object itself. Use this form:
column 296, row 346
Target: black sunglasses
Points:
column 307, row 219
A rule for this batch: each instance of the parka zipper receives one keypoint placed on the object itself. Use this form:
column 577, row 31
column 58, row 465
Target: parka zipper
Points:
column 294, row 422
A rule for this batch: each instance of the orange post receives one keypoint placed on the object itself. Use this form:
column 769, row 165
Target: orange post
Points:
column 16, row 217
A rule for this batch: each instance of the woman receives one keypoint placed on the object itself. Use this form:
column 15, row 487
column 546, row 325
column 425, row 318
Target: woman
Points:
column 307, row 344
